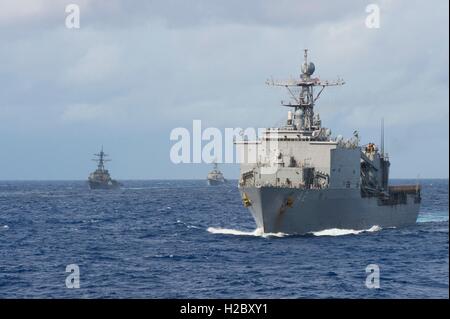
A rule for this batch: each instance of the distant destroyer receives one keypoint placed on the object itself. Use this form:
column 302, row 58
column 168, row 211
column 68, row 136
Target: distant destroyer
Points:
column 100, row 178
column 215, row 177
column 298, row 179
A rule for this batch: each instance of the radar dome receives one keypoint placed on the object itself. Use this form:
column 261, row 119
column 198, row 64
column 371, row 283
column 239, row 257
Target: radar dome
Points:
column 308, row 68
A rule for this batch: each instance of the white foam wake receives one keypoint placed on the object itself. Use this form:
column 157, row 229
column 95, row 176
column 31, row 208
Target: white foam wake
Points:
column 257, row 232
column 343, row 232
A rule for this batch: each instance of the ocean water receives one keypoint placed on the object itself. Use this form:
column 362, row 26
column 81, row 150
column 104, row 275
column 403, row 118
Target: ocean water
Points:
column 183, row 239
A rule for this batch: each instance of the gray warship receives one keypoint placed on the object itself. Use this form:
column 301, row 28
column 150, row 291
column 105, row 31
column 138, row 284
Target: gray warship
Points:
column 215, row 177
column 100, row 178
column 298, row 179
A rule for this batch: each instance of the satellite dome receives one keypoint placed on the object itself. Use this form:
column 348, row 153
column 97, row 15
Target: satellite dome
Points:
column 308, row 68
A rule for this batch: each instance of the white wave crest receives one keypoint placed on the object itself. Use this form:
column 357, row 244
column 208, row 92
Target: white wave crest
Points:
column 428, row 218
column 343, row 232
column 257, row 232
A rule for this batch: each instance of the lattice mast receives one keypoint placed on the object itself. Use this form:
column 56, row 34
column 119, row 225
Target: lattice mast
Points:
column 304, row 99
column 101, row 160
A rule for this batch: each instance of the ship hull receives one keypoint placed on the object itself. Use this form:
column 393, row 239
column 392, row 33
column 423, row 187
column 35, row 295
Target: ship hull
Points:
column 98, row 185
column 214, row 182
column 300, row 211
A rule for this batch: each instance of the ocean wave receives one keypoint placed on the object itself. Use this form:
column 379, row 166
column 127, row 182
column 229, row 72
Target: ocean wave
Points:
column 343, row 232
column 256, row 233
column 432, row 218
column 187, row 225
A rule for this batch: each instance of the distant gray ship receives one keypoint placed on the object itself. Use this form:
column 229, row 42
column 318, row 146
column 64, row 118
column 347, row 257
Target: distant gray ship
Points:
column 302, row 180
column 100, row 178
column 215, row 177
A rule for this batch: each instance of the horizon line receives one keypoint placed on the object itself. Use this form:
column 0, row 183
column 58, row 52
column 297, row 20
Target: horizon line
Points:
column 176, row 179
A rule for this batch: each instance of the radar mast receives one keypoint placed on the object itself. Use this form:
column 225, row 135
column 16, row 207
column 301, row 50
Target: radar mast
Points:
column 301, row 92
column 101, row 160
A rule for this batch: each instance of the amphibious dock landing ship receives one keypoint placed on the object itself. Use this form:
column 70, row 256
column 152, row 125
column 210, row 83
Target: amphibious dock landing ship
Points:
column 100, row 178
column 299, row 179
column 215, row 177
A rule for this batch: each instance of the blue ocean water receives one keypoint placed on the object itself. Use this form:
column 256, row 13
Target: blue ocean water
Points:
column 183, row 239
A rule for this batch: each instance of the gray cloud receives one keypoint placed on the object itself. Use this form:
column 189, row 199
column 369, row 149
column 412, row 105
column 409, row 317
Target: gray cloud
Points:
column 145, row 67
column 179, row 13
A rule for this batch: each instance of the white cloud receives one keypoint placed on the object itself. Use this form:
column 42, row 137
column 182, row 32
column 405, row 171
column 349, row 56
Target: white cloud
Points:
column 100, row 63
column 83, row 112
column 12, row 11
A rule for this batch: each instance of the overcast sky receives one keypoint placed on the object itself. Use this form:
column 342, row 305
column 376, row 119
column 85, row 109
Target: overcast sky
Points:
column 137, row 69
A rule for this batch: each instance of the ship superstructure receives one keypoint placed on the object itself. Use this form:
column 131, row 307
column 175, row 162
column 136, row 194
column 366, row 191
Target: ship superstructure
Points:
column 297, row 178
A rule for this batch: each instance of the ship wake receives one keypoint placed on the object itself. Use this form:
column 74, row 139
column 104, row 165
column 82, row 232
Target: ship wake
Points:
column 343, row 232
column 259, row 232
column 256, row 233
